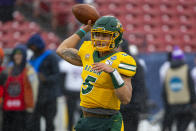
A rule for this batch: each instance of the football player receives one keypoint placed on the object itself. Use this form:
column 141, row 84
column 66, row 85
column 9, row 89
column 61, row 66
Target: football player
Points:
column 106, row 74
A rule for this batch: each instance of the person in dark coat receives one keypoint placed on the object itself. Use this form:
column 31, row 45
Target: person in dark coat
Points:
column 178, row 93
column 3, row 78
column 131, row 112
column 3, row 75
column 45, row 63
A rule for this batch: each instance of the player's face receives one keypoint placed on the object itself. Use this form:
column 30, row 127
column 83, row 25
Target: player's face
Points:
column 102, row 40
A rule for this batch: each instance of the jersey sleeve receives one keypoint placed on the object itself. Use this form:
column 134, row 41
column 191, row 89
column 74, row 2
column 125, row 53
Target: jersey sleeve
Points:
column 83, row 48
column 80, row 50
column 127, row 66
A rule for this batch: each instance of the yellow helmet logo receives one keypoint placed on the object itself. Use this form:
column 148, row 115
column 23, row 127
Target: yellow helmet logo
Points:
column 119, row 25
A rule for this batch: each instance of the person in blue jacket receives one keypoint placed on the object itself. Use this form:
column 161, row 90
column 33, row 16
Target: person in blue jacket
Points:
column 46, row 65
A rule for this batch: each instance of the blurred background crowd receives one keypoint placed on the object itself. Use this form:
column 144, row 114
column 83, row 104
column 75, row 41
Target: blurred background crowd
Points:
column 40, row 91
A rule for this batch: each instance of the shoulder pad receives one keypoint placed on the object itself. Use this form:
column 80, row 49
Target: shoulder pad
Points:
column 127, row 65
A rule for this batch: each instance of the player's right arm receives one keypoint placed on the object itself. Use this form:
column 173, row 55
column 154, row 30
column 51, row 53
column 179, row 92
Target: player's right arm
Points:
column 66, row 49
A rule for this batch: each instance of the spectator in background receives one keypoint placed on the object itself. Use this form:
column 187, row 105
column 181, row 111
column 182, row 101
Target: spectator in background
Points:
column 6, row 10
column 20, row 92
column 132, row 111
column 164, row 67
column 3, row 77
column 193, row 74
column 72, row 84
column 178, row 83
column 46, row 65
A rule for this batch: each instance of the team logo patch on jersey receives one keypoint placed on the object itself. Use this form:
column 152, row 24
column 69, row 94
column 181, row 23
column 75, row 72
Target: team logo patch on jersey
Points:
column 113, row 58
column 124, row 54
column 87, row 56
column 108, row 62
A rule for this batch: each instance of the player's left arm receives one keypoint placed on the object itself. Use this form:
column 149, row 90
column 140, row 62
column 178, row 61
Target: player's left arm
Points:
column 122, row 83
column 124, row 93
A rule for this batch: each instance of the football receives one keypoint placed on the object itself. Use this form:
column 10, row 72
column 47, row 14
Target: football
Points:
column 85, row 12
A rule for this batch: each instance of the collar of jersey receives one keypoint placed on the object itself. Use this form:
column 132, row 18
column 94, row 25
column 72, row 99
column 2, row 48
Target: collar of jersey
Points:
column 96, row 57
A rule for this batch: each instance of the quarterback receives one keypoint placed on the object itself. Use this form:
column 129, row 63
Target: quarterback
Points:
column 106, row 74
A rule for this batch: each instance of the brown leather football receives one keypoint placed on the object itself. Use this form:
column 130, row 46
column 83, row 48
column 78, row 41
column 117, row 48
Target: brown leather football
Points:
column 85, row 12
